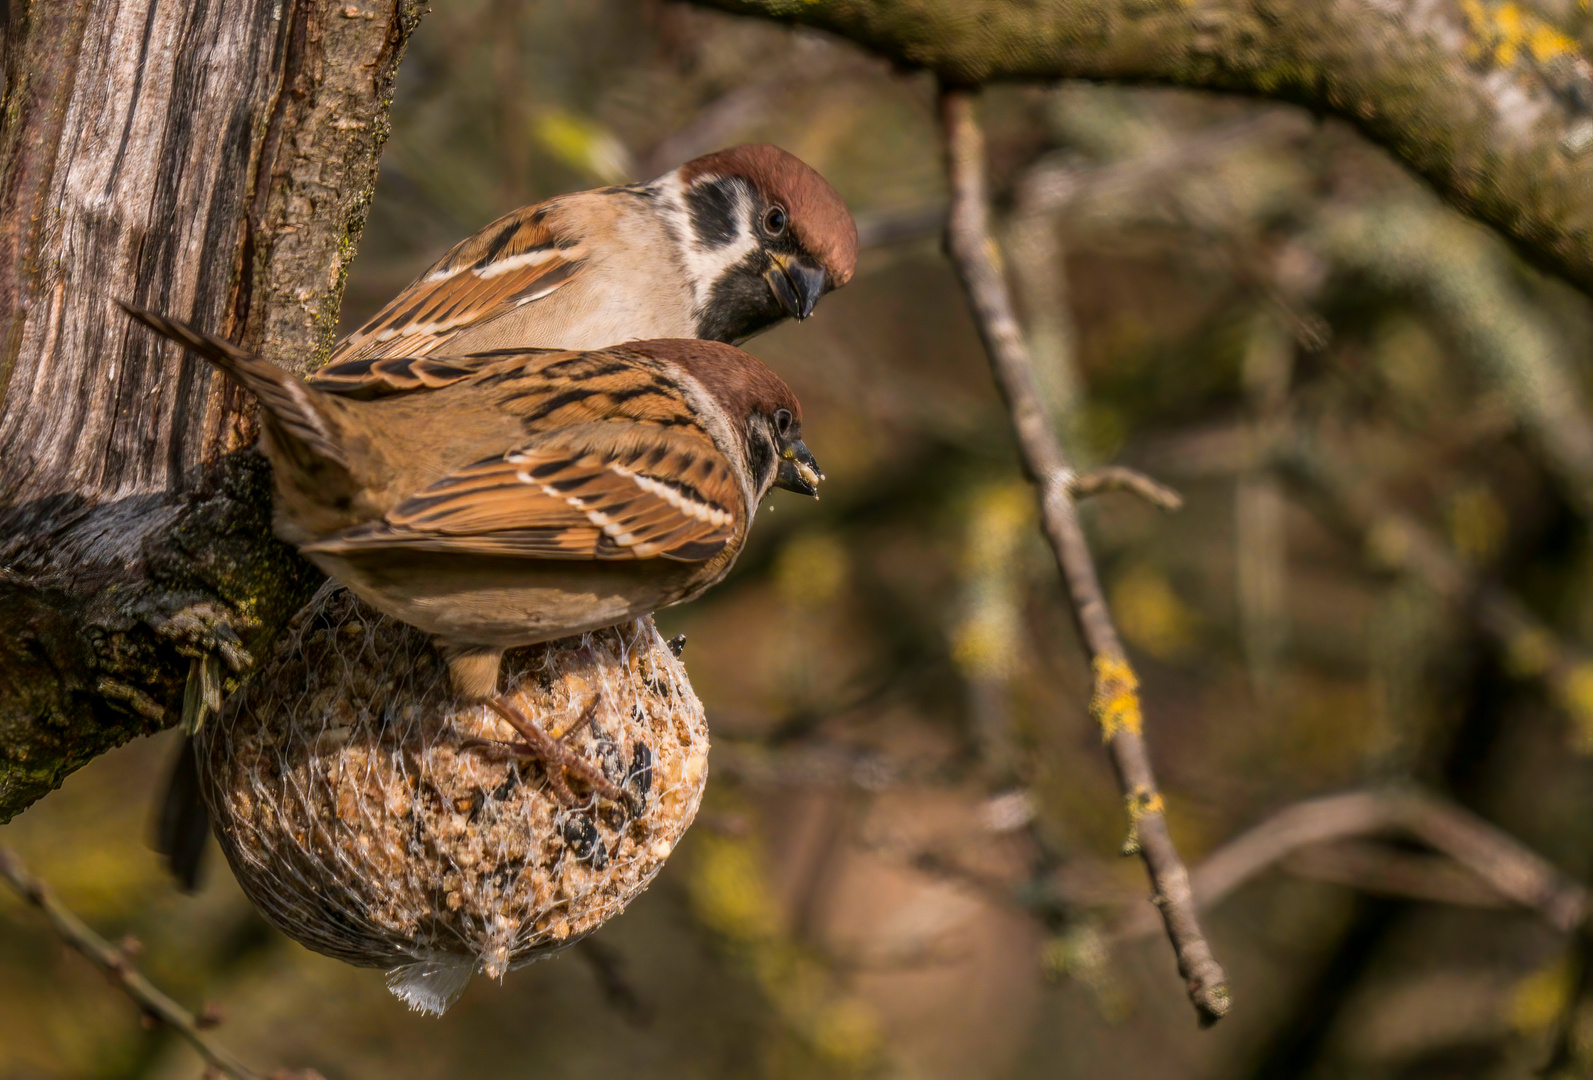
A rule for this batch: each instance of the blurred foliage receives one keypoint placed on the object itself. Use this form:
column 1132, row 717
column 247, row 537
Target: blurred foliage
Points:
column 885, row 663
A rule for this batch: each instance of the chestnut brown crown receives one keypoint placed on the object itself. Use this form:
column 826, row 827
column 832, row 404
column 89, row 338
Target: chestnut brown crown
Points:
column 820, row 220
column 741, row 384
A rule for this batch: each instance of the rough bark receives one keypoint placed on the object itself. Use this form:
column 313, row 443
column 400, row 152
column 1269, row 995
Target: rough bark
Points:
column 1490, row 102
column 214, row 160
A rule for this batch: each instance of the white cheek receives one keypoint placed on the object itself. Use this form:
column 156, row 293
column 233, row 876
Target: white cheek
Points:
column 706, row 265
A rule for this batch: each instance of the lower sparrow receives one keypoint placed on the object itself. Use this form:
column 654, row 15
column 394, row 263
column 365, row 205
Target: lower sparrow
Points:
column 518, row 496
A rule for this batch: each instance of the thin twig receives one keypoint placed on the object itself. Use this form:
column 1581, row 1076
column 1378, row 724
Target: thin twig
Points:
column 1115, row 703
column 1122, row 478
column 1506, row 865
column 114, row 962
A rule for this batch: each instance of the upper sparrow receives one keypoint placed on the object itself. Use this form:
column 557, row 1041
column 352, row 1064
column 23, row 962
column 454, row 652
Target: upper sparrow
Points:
column 524, row 494
column 720, row 248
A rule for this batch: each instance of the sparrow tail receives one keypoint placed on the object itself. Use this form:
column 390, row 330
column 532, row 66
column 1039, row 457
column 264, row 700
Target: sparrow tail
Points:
column 289, row 402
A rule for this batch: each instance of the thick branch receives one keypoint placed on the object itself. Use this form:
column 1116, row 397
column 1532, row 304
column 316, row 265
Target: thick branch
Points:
column 1496, row 112
column 1116, row 702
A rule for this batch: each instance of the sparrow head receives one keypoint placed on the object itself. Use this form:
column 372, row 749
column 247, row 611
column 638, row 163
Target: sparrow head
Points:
column 764, row 416
column 764, row 237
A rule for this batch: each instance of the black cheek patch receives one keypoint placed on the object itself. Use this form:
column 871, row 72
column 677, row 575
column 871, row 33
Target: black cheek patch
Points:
column 713, row 212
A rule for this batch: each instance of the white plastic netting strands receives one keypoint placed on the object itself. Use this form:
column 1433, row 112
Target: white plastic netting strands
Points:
column 373, row 817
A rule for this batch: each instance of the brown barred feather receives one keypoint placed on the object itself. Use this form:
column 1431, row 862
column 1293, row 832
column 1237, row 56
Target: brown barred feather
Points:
column 481, row 278
column 583, row 494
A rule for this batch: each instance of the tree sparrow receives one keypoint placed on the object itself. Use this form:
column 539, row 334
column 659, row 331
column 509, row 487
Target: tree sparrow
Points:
column 516, row 496
column 721, row 248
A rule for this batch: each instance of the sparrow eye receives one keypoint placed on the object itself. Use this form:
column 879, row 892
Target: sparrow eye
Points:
column 782, row 422
column 774, row 221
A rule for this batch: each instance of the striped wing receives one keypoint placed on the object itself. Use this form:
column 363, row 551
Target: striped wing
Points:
column 648, row 493
column 514, row 261
column 382, row 376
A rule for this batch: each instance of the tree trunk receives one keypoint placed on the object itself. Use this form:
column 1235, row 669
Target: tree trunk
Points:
column 209, row 158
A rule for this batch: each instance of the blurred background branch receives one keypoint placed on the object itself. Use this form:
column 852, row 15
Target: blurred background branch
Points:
column 1506, row 867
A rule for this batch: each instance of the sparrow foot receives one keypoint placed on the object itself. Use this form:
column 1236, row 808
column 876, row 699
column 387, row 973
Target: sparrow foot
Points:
column 560, row 761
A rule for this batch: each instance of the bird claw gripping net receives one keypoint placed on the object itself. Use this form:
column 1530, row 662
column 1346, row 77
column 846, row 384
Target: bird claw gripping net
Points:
column 373, row 816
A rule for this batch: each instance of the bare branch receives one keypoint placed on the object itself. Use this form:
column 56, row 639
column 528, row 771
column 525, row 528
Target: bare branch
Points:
column 1261, row 549
column 1039, row 272
column 1121, row 478
column 114, row 962
column 1116, row 701
column 1503, row 863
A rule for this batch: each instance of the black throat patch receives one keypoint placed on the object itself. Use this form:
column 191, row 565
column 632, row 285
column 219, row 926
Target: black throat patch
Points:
column 740, row 303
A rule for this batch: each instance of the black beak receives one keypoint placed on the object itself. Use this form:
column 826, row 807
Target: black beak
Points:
column 798, row 471
column 796, row 285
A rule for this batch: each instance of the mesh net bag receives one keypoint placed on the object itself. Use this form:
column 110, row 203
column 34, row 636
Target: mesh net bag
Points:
column 374, row 817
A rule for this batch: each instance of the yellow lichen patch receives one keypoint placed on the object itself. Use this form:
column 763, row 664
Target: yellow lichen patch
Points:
column 1081, row 953
column 846, row 1030
column 1141, row 804
column 1503, row 32
column 1545, row 43
column 1537, row 1001
column 1115, row 702
column 584, row 144
column 812, row 570
column 1575, row 692
column 729, row 892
